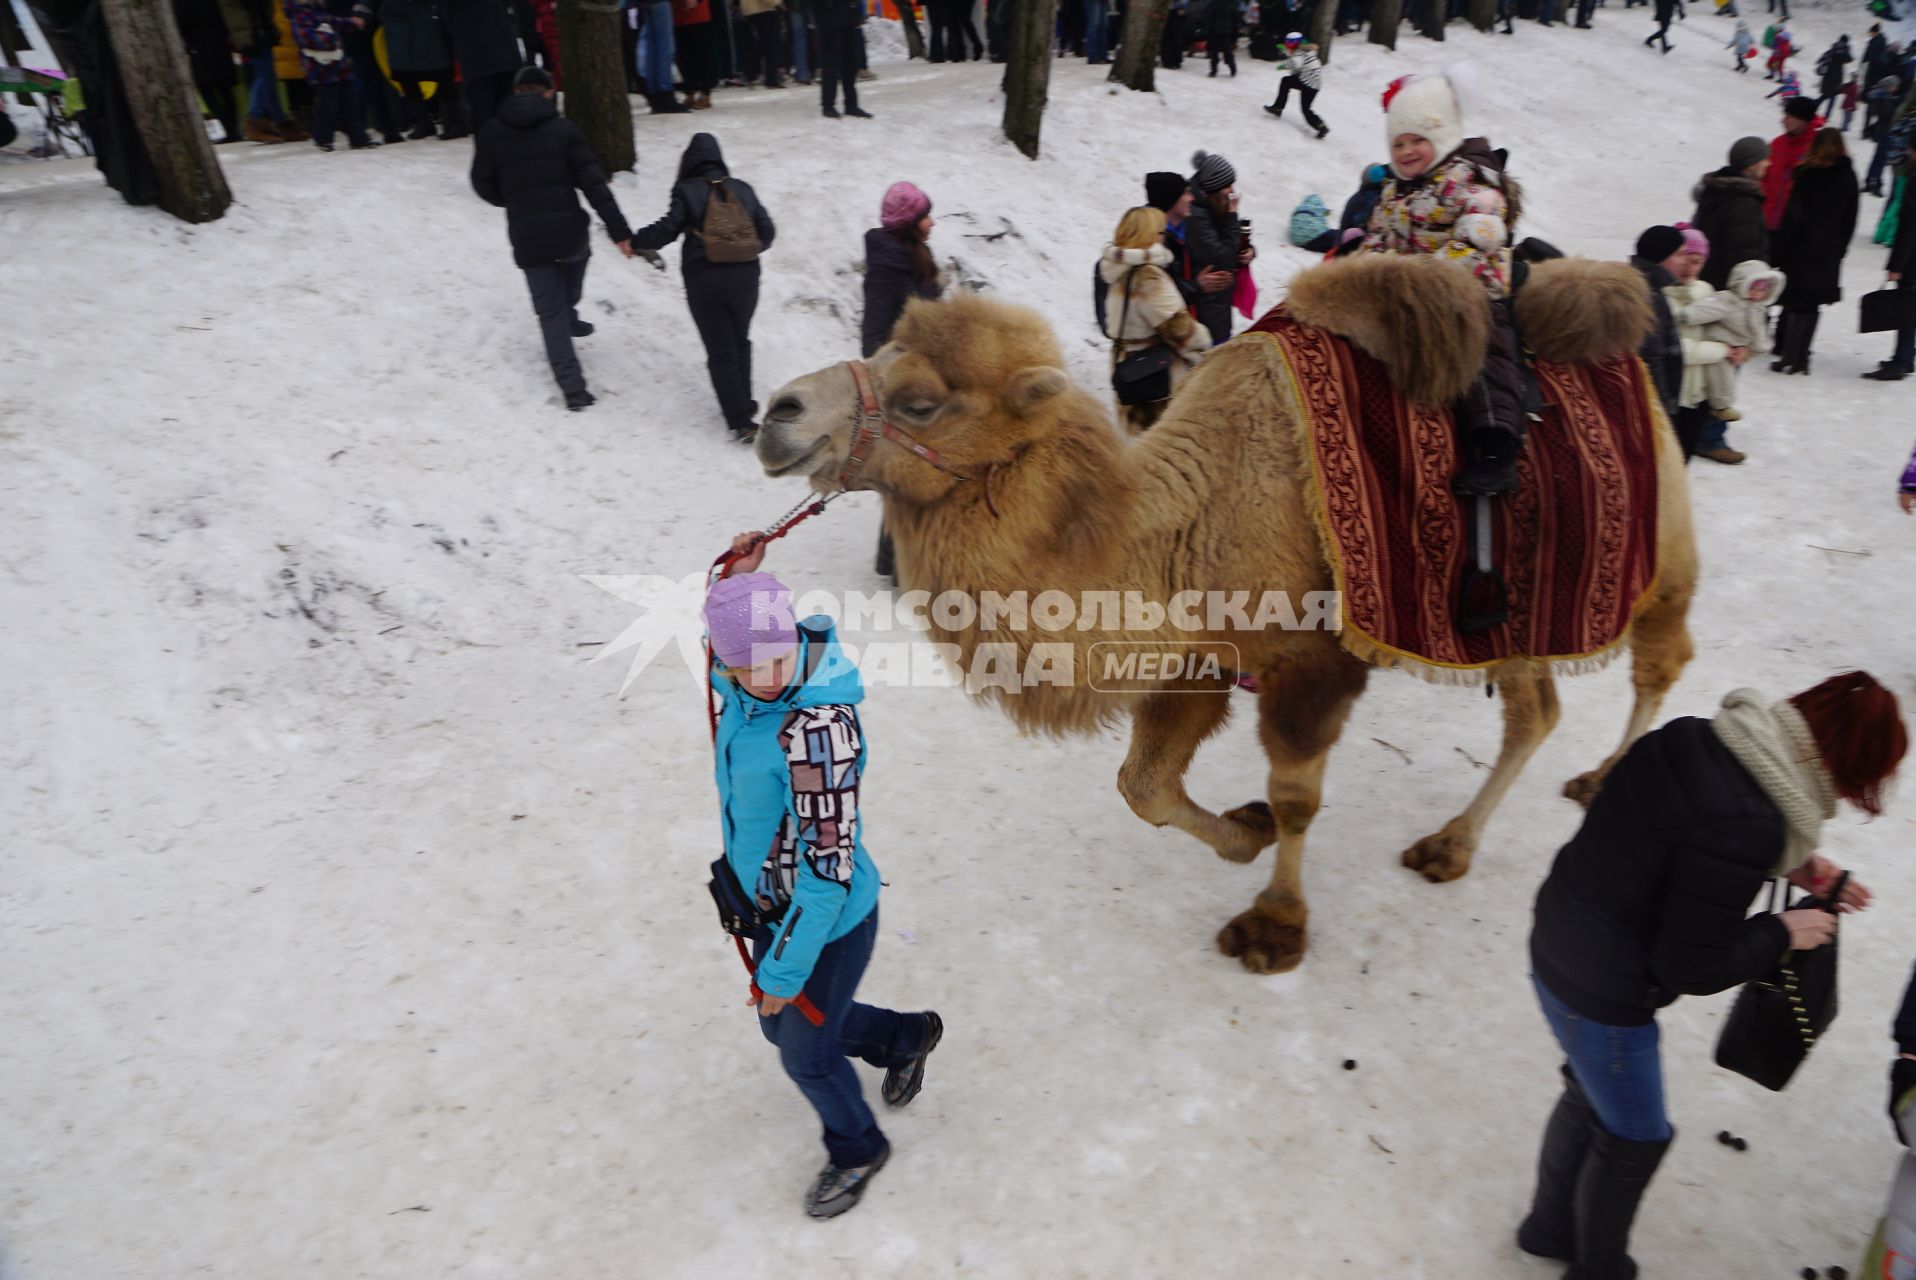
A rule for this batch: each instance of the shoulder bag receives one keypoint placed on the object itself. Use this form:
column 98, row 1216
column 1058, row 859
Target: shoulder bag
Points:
column 1778, row 1017
column 1143, row 376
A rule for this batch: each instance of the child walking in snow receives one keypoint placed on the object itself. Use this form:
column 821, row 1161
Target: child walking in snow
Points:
column 1791, row 86
column 1449, row 196
column 1743, row 43
column 1304, row 72
column 1736, row 317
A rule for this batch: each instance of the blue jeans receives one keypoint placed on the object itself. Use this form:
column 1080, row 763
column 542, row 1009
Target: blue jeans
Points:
column 655, row 47
column 263, row 97
column 1095, row 17
column 818, row 1058
column 801, row 42
column 1714, row 434
column 1619, row 1068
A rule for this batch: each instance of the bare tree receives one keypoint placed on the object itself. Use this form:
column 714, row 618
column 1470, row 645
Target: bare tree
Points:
column 166, row 108
column 1384, row 17
column 1138, row 52
column 914, row 38
column 1324, row 28
column 593, row 63
column 1028, row 72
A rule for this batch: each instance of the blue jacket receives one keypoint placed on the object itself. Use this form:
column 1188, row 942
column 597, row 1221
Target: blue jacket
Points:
column 788, row 772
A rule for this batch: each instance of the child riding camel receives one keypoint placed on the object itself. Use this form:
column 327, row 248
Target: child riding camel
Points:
column 1449, row 196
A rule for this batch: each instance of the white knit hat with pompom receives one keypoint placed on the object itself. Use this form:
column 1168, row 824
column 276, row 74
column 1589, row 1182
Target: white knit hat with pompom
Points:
column 1429, row 106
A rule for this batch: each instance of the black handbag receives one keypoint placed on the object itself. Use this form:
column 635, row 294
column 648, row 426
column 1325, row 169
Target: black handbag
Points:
column 1778, row 1018
column 1144, row 376
column 1888, row 309
column 739, row 912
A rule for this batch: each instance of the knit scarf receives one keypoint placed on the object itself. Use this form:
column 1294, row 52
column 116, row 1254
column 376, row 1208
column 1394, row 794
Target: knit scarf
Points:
column 1774, row 743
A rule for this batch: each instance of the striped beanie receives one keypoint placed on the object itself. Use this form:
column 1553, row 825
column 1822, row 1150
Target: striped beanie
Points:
column 1211, row 173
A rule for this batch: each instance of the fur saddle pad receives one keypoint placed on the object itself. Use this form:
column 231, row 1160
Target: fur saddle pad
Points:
column 1576, row 544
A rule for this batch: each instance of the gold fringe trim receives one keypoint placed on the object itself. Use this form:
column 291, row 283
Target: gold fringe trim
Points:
column 1371, row 651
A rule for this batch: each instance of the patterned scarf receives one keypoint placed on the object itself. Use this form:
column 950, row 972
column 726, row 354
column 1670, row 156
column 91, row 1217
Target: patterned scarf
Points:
column 1772, row 741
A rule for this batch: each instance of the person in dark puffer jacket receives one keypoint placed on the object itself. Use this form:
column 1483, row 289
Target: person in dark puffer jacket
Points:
column 1662, row 349
column 529, row 160
column 722, row 296
column 1729, row 210
column 898, row 268
column 1647, row 902
column 1213, row 241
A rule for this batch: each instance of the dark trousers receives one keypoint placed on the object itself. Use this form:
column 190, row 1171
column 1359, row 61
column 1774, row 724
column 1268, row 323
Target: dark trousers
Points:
column 220, row 100
column 555, row 288
column 372, row 96
column 1691, row 422
column 838, row 64
column 1904, row 357
column 697, row 44
column 1214, row 313
column 1223, row 47
column 484, row 94
column 446, row 105
column 723, row 296
column 332, row 104
column 771, row 46
column 1305, row 96
column 818, row 1059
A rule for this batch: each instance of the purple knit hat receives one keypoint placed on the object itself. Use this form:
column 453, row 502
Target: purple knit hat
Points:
column 749, row 618
column 1694, row 241
column 904, row 205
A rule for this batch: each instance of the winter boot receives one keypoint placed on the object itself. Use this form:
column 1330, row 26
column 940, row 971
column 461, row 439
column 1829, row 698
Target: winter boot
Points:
column 839, row 1190
column 1802, row 334
column 582, row 328
column 1614, row 1176
column 1492, row 470
column 424, row 129
column 902, row 1083
column 580, row 399
column 1551, row 1229
column 258, row 130
column 289, row 130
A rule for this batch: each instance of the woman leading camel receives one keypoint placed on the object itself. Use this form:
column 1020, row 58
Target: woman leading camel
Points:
column 1149, row 310
column 1646, row 903
column 790, row 754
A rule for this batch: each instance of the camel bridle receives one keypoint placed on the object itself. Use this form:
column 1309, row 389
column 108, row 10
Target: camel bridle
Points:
column 870, row 425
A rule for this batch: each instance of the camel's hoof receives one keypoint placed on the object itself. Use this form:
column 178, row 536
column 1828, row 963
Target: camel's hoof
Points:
column 1440, row 857
column 1259, row 827
column 1583, row 788
column 1262, row 944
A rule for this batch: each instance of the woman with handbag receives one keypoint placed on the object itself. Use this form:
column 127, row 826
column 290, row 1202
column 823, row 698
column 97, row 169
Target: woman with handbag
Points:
column 790, row 752
column 1810, row 245
column 1156, row 341
column 1647, row 902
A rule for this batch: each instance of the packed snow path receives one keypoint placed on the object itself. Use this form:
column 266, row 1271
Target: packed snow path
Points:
column 351, row 925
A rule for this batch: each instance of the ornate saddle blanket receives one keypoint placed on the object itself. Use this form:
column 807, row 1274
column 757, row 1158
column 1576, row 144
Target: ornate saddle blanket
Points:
column 1576, row 544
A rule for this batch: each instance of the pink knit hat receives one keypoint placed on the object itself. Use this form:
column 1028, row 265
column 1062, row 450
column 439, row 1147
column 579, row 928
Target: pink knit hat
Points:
column 904, row 205
column 749, row 618
column 1694, row 241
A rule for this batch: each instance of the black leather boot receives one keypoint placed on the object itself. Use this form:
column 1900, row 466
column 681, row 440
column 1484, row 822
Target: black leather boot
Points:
column 1551, row 1229
column 1611, row 1185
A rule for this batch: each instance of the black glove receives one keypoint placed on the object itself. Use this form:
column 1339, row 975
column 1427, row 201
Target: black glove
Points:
column 1902, row 1099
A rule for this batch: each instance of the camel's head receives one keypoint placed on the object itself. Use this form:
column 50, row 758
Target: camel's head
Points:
column 972, row 379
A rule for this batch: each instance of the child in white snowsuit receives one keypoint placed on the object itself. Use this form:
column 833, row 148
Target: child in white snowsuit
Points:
column 1736, row 317
column 1448, row 197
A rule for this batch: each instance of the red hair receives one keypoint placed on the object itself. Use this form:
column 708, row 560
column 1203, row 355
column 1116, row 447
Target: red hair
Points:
column 1859, row 732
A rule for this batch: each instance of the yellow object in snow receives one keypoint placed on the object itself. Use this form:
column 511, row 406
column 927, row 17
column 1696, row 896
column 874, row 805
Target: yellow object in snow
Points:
column 426, row 87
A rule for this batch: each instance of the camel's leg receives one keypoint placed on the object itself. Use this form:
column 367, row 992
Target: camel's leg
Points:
column 1166, row 728
column 1530, row 713
column 1660, row 649
column 1302, row 706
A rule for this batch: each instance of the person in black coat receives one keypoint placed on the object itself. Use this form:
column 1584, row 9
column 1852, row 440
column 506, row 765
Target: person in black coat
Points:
column 1220, row 33
column 1662, row 347
column 209, row 52
column 529, row 160
column 1833, row 67
column 1648, row 902
column 1810, row 246
column 1729, row 210
column 722, row 295
column 485, row 43
column 1902, row 274
column 898, row 268
column 1213, row 240
column 838, row 55
column 419, row 51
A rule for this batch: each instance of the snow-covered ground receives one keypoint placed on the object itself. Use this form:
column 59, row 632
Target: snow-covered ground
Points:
column 351, row 925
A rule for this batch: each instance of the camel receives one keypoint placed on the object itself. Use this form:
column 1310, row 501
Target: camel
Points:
column 998, row 474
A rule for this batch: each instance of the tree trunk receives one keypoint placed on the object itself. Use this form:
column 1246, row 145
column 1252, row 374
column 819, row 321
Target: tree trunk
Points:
column 1384, row 17
column 593, row 63
column 166, row 108
column 1028, row 72
column 1138, row 50
column 1324, row 28
column 914, row 38
column 1483, row 14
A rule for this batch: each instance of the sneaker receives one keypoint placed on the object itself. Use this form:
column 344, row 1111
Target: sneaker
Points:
column 580, row 399
column 1727, row 414
column 1722, row 453
column 582, row 329
column 902, row 1083
column 839, row 1190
